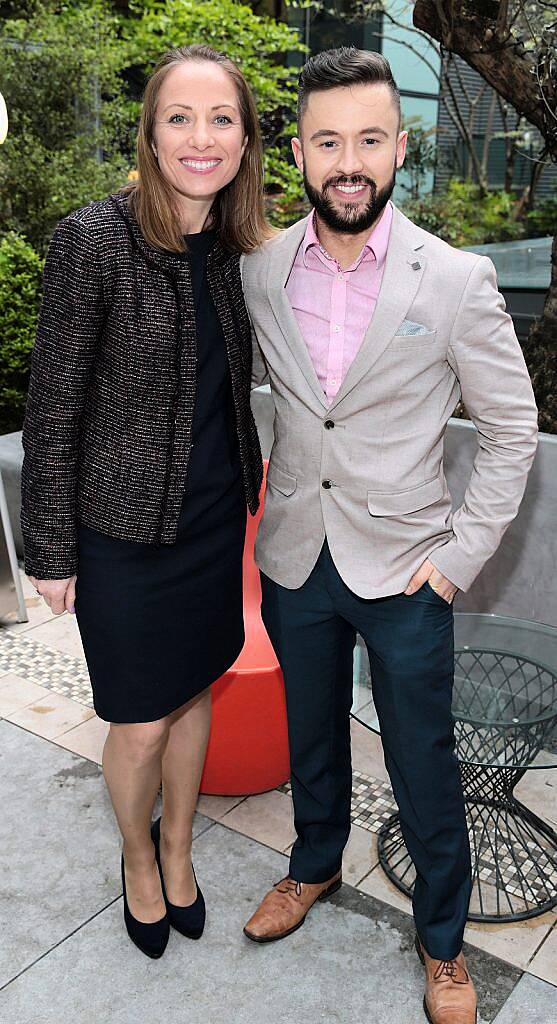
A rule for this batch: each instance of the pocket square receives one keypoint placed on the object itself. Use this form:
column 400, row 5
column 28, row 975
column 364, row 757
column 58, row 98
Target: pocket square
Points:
column 409, row 327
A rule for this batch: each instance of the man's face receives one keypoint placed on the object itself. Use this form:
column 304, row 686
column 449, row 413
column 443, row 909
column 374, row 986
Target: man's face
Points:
column 349, row 150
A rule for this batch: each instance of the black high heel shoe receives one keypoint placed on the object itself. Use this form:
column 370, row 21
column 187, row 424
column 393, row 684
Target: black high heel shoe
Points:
column 189, row 921
column 151, row 939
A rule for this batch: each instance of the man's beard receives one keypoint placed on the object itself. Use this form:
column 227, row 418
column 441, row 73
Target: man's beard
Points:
column 350, row 221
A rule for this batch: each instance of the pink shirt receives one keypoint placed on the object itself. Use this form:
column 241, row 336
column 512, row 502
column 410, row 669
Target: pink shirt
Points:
column 333, row 307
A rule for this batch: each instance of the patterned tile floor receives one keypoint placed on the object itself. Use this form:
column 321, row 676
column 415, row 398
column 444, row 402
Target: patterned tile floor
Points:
column 46, row 666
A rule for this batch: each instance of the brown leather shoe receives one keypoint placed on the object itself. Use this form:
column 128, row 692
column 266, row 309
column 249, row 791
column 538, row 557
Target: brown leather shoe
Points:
column 450, row 996
column 284, row 908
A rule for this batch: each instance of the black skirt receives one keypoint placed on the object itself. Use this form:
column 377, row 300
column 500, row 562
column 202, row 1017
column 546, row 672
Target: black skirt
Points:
column 159, row 623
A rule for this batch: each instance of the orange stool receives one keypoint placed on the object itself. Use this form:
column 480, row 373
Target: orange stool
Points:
column 248, row 744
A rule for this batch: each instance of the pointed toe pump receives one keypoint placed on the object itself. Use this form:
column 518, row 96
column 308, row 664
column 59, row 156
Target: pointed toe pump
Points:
column 189, row 921
column 151, row 939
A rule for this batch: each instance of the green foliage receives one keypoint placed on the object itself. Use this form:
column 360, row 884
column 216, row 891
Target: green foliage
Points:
column 20, row 282
column 284, row 186
column 542, row 221
column 254, row 43
column 462, row 216
column 69, row 138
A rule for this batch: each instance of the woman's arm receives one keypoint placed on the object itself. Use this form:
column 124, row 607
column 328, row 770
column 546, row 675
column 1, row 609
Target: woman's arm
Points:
column 70, row 321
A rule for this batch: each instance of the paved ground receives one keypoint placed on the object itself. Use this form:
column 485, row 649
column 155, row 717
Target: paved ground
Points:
column 64, row 954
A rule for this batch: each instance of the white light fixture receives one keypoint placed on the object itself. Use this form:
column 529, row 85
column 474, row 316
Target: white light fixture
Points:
column 3, row 119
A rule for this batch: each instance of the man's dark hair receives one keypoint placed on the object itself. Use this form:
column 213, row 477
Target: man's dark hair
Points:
column 344, row 66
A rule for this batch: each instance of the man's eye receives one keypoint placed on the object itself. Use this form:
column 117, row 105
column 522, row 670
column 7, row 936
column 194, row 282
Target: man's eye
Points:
column 328, row 144
column 371, row 140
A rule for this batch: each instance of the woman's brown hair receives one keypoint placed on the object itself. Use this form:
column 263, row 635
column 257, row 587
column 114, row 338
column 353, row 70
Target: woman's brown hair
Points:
column 238, row 211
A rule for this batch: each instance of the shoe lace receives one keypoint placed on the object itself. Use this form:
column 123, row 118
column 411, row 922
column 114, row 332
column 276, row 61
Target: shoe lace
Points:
column 450, row 969
column 289, row 886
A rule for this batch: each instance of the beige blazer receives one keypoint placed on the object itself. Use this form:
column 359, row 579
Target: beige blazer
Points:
column 373, row 483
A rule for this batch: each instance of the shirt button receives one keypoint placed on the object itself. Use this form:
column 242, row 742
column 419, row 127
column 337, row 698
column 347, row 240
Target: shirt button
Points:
column 340, row 277
column 329, row 424
column 336, row 328
column 326, row 484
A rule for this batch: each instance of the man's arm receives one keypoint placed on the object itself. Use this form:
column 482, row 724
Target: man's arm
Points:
column 497, row 392
column 259, row 372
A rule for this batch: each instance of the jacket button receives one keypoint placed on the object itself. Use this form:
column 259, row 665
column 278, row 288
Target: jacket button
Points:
column 329, row 424
column 326, row 484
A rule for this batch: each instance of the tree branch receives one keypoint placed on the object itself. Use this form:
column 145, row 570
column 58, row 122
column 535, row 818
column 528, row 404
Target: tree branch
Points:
column 510, row 71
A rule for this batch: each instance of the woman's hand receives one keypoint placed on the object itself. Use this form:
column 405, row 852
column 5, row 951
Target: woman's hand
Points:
column 58, row 594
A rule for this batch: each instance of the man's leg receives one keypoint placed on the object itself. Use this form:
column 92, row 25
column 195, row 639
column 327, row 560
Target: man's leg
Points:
column 315, row 646
column 411, row 648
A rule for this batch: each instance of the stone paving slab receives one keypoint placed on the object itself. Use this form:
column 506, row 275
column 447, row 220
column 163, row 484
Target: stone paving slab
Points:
column 532, row 1002
column 59, row 847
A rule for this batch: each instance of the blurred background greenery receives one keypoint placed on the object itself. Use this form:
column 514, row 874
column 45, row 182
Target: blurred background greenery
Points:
column 73, row 73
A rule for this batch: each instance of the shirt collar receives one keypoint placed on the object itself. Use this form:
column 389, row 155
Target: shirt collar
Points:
column 374, row 248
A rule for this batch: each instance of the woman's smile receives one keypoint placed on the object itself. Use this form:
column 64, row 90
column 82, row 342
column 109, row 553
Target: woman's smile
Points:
column 199, row 165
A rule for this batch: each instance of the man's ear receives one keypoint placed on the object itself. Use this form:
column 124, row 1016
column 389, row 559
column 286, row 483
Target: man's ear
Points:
column 401, row 148
column 298, row 153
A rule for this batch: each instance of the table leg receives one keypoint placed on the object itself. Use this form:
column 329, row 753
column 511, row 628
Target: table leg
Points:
column 514, row 852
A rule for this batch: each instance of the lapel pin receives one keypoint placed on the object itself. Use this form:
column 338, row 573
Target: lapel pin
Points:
column 416, row 266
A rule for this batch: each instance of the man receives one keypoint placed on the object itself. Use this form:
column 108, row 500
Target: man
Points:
column 370, row 330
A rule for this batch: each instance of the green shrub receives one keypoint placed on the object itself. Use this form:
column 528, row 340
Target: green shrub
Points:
column 542, row 221
column 20, row 285
column 70, row 138
column 462, row 216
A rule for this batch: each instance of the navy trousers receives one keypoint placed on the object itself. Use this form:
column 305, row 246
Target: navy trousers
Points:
column 410, row 642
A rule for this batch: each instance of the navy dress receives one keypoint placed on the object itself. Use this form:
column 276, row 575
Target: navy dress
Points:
column 159, row 623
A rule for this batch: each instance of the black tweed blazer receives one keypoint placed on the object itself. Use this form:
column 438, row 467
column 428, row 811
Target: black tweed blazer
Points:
column 107, row 431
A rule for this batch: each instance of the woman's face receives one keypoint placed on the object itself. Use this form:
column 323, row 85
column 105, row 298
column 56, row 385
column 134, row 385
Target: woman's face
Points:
column 199, row 138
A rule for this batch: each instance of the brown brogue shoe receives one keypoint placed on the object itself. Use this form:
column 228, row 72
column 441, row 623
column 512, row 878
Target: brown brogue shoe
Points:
column 284, row 908
column 450, row 996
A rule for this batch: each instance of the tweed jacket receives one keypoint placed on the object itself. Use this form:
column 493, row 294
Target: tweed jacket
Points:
column 366, row 471
column 107, row 431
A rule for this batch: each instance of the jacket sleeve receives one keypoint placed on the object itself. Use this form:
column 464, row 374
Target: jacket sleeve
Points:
column 70, row 322
column 497, row 392
column 259, row 371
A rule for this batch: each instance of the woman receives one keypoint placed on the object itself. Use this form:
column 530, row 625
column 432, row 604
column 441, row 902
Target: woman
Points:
column 141, row 452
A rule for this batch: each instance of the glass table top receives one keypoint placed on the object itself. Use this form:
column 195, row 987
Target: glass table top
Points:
column 505, row 693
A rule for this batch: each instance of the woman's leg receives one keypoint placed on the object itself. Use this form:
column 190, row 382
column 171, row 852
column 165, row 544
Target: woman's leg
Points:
column 182, row 765
column 132, row 764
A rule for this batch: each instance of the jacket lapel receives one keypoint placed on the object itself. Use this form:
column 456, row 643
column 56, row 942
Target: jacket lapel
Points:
column 281, row 259
column 402, row 276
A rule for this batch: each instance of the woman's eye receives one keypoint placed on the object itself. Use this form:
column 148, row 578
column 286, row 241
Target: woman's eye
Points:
column 223, row 118
column 177, row 119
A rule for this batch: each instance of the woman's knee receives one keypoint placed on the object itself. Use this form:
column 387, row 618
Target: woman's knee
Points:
column 142, row 741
